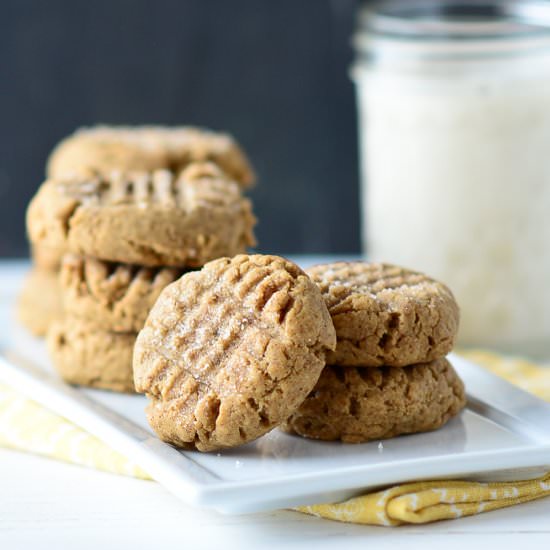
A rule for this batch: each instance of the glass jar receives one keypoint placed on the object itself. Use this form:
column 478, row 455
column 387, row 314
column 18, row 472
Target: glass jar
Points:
column 454, row 103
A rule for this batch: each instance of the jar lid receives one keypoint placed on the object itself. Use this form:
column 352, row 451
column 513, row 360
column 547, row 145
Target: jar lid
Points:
column 457, row 18
column 454, row 26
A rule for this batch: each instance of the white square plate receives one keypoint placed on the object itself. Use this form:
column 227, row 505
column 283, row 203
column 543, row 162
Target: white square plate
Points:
column 502, row 428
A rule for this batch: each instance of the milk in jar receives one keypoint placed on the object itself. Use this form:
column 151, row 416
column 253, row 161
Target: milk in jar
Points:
column 454, row 110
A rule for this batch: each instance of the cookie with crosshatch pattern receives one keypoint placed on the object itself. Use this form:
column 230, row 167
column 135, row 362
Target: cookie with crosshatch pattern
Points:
column 356, row 405
column 112, row 296
column 150, row 219
column 230, row 351
column 106, row 148
column 385, row 314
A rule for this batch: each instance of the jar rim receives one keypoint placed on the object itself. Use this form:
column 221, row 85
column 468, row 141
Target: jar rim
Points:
column 485, row 20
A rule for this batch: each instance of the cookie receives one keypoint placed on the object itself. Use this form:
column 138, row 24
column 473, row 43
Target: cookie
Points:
column 229, row 352
column 386, row 315
column 86, row 356
column 150, row 219
column 115, row 297
column 46, row 259
column 39, row 303
column 102, row 149
column 356, row 405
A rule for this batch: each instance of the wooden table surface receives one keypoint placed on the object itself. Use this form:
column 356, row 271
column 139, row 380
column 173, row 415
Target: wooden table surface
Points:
column 50, row 504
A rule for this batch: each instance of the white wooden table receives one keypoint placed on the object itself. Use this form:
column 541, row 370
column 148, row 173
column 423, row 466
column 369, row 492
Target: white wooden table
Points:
column 49, row 504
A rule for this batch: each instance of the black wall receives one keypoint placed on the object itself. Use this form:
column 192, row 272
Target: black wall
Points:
column 273, row 73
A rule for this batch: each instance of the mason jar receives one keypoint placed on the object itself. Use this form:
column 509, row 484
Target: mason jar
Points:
column 454, row 107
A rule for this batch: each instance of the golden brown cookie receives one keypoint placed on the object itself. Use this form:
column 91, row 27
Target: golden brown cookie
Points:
column 150, row 219
column 229, row 352
column 386, row 315
column 39, row 303
column 103, row 149
column 106, row 148
column 356, row 405
column 86, row 356
column 115, row 297
column 46, row 259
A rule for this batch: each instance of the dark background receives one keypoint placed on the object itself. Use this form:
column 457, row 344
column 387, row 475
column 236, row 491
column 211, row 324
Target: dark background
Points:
column 272, row 73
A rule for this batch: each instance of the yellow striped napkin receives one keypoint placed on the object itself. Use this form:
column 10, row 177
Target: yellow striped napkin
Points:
column 27, row 426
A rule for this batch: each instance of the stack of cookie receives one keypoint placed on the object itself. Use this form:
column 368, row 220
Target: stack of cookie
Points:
column 103, row 150
column 240, row 347
column 388, row 375
column 126, row 234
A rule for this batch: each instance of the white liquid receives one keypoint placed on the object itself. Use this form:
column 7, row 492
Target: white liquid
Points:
column 458, row 186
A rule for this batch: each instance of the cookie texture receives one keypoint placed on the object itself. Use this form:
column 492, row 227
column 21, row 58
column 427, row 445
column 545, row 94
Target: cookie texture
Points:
column 149, row 219
column 386, row 315
column 86, row 356
column 106, row 148
column 357, row 405
column 229, row 352
column 114, row 297
column 46, row 259
column 39, row 303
